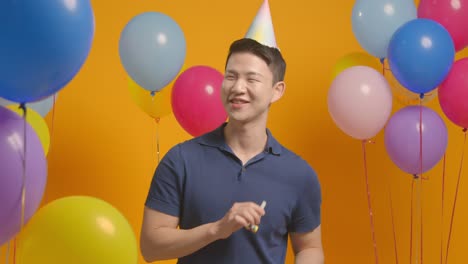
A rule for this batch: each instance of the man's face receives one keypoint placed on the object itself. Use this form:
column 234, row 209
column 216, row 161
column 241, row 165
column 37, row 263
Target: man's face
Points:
column 247, row 89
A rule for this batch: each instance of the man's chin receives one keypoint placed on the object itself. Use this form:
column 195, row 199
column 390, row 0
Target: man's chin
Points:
column 239, row 119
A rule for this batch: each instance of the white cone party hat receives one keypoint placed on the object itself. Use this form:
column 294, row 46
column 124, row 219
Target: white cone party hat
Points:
column 261, row 28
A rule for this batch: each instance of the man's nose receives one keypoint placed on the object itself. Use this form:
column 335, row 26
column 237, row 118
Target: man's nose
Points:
column 239, row 86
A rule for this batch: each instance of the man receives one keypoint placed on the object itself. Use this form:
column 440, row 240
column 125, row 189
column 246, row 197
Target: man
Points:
column 211, row 187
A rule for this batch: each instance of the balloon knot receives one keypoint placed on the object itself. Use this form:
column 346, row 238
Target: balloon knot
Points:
column 464, row 130
column 415, row 176
column 382, row 60
column 22, row 106
column 153, row 93
column 421, row 95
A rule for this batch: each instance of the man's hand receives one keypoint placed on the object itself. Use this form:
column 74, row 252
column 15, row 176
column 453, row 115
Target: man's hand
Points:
column 240, row 215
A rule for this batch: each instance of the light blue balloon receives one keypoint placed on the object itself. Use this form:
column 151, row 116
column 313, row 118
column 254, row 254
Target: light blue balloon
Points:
column 42, row 107
column 5, row 102
column 375, row 21
column 152, row 50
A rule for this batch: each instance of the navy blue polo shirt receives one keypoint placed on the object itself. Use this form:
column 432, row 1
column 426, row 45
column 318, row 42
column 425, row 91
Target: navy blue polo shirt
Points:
column 200, row 179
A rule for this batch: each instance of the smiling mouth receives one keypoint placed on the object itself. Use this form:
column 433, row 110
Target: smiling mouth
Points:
column 237, row 103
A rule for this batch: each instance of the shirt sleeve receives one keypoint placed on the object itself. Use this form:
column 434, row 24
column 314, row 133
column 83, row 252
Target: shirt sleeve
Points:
column 166, row 190
column 306, row 215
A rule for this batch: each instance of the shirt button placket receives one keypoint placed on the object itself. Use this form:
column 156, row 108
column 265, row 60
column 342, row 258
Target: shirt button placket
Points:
column 241, row 173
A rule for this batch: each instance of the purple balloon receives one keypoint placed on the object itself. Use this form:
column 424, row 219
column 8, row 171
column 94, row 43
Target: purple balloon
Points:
column 402, row 139
column 11, row 173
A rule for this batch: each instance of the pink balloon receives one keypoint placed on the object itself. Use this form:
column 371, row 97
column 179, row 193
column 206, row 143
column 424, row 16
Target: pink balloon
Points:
column 360, row 102
column 453, row 94
column 196, row 100
column 453, row 15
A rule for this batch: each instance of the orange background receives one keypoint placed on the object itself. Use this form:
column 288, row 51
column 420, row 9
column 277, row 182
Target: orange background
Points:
column 103, row 145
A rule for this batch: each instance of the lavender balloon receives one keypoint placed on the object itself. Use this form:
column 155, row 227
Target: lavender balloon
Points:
column 402, row 139
column 11, row 173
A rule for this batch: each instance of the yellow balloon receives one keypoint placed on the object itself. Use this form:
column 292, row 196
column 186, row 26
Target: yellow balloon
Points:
column 157, row 105
column 38, row 123
column 78, row 230
column 356, row 59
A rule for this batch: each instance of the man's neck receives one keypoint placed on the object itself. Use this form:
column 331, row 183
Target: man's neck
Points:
column 245, row 140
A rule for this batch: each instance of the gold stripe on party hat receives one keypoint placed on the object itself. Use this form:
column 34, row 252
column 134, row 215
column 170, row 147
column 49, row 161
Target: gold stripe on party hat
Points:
column 261, row 28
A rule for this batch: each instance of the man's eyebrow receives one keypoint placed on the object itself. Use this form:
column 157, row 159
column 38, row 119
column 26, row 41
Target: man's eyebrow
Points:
column 231, row 71
column 254, row 73
column 249, row 73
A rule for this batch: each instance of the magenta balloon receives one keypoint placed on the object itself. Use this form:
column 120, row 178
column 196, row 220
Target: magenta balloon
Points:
column 196, row 100
column 453, row 94
column 452, row 15
column 11, row 173
column 402, row 139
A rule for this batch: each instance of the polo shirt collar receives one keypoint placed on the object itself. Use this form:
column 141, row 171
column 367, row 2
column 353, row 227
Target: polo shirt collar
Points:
column 216, row 139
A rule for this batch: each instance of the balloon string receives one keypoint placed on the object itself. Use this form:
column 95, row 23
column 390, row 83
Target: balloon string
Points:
column 382, row 60
column 442, row 212
column 369, row 202
column 393, row 221
column 157, row 137
column 420, row 204
column 411, row 219
column 383, row 67
column 23, row 189
column 53, row 121
column 421, row 96
column 420, row 140
column 456, row 196
column 7, row 252
column 421, row 219
column 14, row 251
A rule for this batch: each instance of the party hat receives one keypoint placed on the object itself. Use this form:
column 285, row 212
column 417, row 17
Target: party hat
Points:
column 261, row 28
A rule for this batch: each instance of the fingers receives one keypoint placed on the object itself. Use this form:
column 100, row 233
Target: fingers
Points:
column 254, row 228
column 241, row 220
column 248, row 213
column 259, row 209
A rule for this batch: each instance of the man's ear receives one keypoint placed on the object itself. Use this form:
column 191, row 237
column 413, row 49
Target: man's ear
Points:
column 278, row 91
